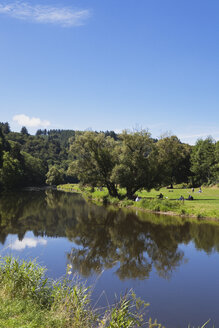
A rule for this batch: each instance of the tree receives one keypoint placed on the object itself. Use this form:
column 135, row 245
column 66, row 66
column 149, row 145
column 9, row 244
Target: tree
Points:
column 203, row 160
column 173, row 158
column 4, row 146
column 34, row 170
column 5, row 127
column 111, row 134
column 24, row 131
column 11, row 173
column 216, row 166
column 94, row 160
column 137, row 166
column 54, row 176
column 217, row 152
column 39, row 132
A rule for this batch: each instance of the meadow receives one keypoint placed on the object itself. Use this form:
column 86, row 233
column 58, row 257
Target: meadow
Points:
column 205, row 204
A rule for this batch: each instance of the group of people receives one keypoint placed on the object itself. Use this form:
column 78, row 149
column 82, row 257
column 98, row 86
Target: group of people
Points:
column 160, row 196
column 189, row 198
column 200, row 190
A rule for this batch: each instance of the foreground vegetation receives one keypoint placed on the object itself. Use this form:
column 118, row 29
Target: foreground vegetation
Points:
column 28, row 299
column 203, row 205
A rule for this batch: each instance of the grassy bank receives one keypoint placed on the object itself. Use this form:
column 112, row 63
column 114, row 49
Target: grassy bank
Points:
column 29, row 300
column 203, row 205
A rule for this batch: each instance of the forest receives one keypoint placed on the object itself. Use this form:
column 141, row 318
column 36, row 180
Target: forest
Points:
column 132, row 160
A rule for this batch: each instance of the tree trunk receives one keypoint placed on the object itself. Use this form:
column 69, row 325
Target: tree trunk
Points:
column 112, row 190
column 130, row 193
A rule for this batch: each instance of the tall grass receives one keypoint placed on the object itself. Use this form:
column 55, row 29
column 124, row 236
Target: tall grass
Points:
column 28, row 299
column 160, row 205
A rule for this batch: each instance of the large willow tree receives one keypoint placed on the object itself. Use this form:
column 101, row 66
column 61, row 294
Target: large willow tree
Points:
column 102, row 161
column 136, row 167
column 95, row 159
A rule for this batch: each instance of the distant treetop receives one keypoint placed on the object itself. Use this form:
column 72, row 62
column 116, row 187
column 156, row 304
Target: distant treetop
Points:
column 5, row 127
column 24, row 131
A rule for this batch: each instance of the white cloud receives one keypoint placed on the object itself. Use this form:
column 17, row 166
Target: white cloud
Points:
column 63, row 16
column 199, row 135
column 27, row 121
column 213, row 134
column 27, row 242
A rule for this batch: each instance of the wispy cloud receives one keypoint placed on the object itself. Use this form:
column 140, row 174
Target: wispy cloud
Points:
column 27, row 121
column 64, row 16
column 200, row 135
column 27, row 242
column 192, row 138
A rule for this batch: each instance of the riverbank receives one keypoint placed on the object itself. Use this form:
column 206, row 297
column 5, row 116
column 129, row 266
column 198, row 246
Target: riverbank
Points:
column 205, row 204
column 28, row 299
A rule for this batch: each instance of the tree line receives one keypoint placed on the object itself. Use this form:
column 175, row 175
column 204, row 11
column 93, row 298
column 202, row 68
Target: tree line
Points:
column 132, row 160
column 136, row 161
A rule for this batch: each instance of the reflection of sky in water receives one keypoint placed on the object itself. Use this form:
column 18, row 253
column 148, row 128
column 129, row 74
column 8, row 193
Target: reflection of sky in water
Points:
column 19, row 245
column 179, row 299
column 190, row 295
column 48, row 251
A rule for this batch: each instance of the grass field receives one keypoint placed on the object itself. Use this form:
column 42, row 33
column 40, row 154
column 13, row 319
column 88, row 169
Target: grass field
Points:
column 204, row 204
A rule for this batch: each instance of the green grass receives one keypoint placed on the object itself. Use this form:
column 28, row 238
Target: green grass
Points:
column 204, row 205
column 29, row 300
column 100, row 197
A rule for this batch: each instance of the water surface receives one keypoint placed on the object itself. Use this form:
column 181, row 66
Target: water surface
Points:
column 170, row 262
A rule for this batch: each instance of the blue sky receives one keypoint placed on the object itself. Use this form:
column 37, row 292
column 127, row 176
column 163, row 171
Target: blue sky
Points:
column 111, row 64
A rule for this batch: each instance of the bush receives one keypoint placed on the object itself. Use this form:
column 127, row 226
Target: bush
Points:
column 159, row 205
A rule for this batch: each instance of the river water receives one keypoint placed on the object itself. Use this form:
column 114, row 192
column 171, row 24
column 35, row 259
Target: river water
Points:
column 170, row 262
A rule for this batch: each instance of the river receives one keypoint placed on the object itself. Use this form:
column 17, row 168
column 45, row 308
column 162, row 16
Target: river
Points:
column 170, row 262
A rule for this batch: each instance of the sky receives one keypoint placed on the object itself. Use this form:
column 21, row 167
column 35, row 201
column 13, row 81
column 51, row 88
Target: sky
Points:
column 111, row 65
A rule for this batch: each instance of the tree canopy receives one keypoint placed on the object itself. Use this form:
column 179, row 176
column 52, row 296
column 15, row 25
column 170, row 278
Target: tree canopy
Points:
column 173, row 159
column 204, row 162
column 136, row 166
column 132, row 159
column 95, row 159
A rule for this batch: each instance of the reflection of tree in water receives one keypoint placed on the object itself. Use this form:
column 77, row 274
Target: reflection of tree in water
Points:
column 121, row 238
column 36, row 211
column 105, row 238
